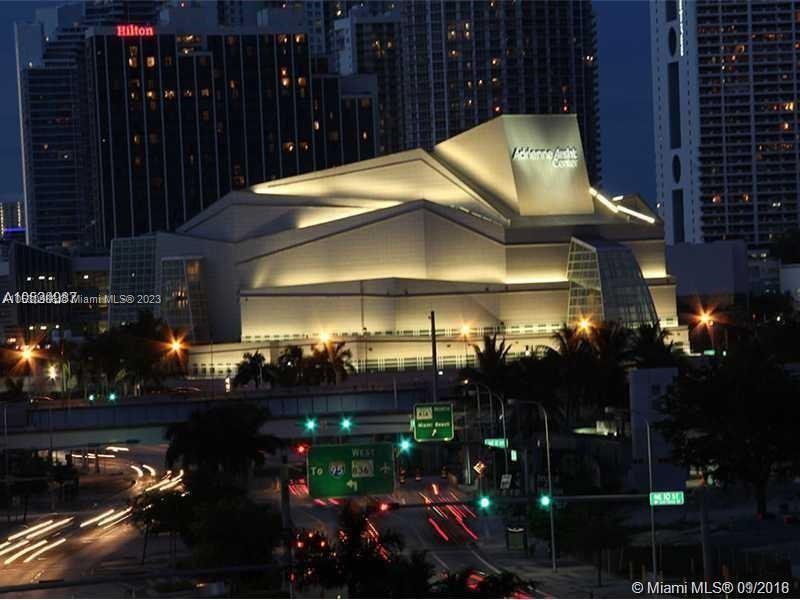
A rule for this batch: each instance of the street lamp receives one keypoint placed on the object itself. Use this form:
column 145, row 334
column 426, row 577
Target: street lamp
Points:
column 176, row 346
column 491, row 415
column 584, row 325
column 548, row 503
column 650, row 476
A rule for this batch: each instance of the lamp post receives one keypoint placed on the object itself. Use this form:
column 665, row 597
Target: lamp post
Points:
column 652, row 508
column 491, row 414
column 549, row 478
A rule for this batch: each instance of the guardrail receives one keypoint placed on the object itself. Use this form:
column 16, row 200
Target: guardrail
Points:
column 162, row 412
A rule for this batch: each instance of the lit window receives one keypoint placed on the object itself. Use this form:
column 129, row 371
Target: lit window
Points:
column 288, row 146
column 316, row 125
column 133, row 62
column 151, row 61
column 285, row 82
column 302, row 82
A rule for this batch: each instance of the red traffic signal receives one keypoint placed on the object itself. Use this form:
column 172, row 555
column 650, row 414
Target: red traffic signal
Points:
column 301, row 448
column 387, row 506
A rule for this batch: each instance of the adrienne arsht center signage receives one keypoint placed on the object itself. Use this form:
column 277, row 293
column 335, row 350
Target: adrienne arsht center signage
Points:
column 558, row 157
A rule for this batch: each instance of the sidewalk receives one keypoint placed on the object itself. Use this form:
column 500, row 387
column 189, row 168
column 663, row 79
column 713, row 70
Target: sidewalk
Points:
column 572, row 579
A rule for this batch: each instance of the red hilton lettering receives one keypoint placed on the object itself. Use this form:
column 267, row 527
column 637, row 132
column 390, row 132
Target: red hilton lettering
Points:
column 132, row 30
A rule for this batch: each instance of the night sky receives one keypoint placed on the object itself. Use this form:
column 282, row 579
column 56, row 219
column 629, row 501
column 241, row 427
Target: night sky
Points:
column 625, row 91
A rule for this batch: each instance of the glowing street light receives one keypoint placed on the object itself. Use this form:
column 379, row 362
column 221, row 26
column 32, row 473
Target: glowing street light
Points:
column 544, row 501
column 324, row 338
column 705, row 319
column 465, row 330
column 176, row 346
column 52, row 373
column 27, row 353
column 584, row 325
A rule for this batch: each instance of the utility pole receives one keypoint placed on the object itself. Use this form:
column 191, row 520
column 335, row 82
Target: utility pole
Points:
column 704, row 532
column 434, row 359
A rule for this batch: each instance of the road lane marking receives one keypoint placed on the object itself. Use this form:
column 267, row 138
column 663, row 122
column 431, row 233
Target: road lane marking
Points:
column 484, row 561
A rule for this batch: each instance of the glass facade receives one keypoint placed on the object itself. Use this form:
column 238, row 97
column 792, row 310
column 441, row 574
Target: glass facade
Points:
column 201, row 114
column 132, row 274
column 606, row 283
column 184, row 305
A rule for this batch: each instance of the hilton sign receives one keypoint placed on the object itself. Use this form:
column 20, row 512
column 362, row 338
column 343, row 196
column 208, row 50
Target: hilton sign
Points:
column 560, row 158
column 132, row 30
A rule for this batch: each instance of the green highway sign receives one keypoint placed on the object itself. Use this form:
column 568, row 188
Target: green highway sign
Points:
column 338, row 470
column 496, row 442
column 433, row 422
column 666, row 498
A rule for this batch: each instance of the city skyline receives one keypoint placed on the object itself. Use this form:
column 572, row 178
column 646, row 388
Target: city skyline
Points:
column 622, row 109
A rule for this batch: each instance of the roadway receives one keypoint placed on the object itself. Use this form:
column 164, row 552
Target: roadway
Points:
column 449, row 534
column 94, row 538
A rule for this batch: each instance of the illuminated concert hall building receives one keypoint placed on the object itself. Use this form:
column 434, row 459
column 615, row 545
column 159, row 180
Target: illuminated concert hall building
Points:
column 496, row 230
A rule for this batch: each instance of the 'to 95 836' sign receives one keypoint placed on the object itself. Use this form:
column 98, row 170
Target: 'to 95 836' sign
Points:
column 339, row 470
column 433, row 422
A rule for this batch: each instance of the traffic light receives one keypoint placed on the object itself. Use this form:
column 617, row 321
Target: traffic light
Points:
column 545, row 501
column 346, row 424
column 484, row 502
column 310, row 424
column 301, row 448
column 405, row 445
column 112, row 397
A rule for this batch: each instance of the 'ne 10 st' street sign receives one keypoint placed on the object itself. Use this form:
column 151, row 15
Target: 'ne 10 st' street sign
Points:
column 433, row 422
column 666, row 498
column 338, row 470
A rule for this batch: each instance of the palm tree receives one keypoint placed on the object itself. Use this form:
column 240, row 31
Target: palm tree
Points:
column 610, row 345
column 573, row 355
column 221, row 443
column 651, row 347
column 332, row 362
column 491, row 368
column 252, row 368
column 291, row 366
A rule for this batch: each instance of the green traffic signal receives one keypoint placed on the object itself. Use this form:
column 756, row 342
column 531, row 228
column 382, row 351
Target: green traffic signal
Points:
column 484, row 502
column 311, row 424
column 544, row 501
column 346, row 423
column 405, row 445
column 112, row 397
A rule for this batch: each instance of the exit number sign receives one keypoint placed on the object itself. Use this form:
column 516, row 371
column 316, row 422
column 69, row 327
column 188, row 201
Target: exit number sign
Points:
column 666, row 498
